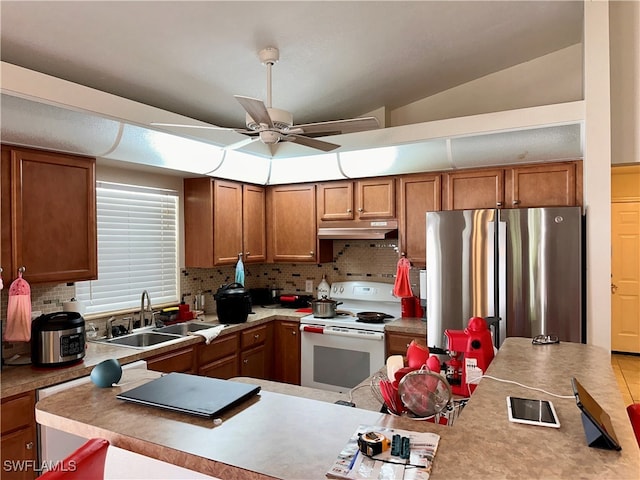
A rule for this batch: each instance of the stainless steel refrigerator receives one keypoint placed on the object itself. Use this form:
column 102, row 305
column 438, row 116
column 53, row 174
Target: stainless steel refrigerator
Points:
column 519, row 268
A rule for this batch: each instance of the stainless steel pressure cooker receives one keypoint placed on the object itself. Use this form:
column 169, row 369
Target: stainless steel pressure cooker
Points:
column 57, row 339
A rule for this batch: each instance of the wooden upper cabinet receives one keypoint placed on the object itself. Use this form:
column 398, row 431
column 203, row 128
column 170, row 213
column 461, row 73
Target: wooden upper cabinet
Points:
column 222, row 220
column 369, row 199
column 418, row 194
column 376, row 198
column 48, row 216
column 466, row 190
column 335, row 201
column 254, row 224
column 291, row 225
column 227, row 222
column 544, row 185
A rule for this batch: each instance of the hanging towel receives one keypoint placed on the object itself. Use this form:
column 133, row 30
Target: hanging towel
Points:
column 402, row 286
column 19, row 311
column 240, row 272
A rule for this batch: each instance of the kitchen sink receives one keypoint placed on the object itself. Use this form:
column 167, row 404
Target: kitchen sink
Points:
column 140, row 339
column 183, row 328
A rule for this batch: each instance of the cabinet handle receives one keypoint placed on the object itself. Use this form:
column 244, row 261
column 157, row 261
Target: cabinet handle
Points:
column 516, row 202
column 348, row 210
column 248, row 253
column 311, row 253
column 361, row 209
column 245, row 361
column 256, row 336
column 29, row 445
column 499, row 204
column 294, row 332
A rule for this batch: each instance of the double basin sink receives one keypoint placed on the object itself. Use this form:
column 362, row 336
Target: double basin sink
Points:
column 155, row 336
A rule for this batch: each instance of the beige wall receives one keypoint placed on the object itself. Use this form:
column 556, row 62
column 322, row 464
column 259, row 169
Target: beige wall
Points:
column 553, row 78
column 624, row 21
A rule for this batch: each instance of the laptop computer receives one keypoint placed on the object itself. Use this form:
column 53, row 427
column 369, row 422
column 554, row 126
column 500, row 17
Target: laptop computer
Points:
column 201, row 396
column 596, row 422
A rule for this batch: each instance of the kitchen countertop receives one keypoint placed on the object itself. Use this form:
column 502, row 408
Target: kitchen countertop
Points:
column 21, row 379
column 285, row 436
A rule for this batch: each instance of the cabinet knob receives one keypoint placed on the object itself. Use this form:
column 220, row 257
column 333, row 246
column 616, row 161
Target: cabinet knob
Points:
column 29, row 445
column 248, row 253
column 498, row 204
column 256, row 336
column 348, row 210
column 245, row 361
column 516, row 202
column 311, row 253
column 294, row 332
column 361, row 209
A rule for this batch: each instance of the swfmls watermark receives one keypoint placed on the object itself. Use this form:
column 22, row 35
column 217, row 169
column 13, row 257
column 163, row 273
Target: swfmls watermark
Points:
column 39, row 467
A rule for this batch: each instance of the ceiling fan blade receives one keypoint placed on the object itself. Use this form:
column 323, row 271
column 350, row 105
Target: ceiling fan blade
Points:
column 338, row 127
column 311, row 142
column 256, row 109
column 203, row 127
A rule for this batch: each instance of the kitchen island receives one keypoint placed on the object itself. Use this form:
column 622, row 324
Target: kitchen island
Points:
column 278, row 435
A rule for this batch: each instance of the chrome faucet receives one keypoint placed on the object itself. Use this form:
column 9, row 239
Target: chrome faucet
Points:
column 110, row 326
column 143, row 309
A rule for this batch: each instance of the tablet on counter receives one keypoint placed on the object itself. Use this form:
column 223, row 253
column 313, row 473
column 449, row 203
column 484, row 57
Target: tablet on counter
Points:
column 532, row 412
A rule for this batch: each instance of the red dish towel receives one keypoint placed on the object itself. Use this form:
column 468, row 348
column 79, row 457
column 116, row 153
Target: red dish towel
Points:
column 19, row 311
column 402, row 286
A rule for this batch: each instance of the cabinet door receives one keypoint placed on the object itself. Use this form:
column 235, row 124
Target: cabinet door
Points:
column 292, row 226
column 227, row 222
column 18, row 442
column 53, row 216
column 542, row 186
column 419, row 194
column 225, row 368
column 253, row 363
column 335, row 201
column 254, row 224
column 474, row 189
column 376, row 198
column 198, row 222
column 397, row 343
column 287, row 352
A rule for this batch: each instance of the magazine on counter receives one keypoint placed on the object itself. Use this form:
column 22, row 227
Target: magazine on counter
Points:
column 352, row 464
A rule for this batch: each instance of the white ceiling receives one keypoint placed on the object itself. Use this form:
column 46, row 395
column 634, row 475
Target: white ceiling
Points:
column 337, row 59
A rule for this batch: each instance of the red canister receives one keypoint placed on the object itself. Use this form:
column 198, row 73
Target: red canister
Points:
column 408, row 307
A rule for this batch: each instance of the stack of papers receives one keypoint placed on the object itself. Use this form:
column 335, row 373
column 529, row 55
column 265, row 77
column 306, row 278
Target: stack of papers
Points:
column 352, row 464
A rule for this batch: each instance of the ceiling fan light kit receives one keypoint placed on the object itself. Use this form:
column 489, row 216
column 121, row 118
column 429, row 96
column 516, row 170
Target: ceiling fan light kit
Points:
column 272, row 125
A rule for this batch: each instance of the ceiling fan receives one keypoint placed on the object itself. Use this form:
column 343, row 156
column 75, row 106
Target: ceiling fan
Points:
column 272, row 125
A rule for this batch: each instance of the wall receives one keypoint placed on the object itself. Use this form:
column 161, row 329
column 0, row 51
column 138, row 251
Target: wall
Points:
column 624, row 48
column 553, row 78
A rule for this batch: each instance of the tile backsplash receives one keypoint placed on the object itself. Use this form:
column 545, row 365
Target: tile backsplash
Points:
column 370, row 260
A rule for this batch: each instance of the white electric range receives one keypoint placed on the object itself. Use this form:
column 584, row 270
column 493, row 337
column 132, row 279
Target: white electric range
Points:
column 339, row 352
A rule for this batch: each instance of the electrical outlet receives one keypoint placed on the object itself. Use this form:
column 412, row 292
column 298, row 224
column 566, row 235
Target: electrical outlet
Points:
column 308, row 286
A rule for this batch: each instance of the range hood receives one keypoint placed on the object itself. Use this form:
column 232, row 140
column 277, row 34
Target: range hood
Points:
column 358, row 230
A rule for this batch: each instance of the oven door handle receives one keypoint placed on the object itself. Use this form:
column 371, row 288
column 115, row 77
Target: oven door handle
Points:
column 343, row 332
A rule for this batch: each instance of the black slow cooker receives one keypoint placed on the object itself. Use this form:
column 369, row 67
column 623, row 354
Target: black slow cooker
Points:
column 233, row 303
column 57, row 339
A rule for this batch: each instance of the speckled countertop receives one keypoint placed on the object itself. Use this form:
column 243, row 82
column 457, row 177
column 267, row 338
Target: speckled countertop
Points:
column 286, row 436
column 20, row 379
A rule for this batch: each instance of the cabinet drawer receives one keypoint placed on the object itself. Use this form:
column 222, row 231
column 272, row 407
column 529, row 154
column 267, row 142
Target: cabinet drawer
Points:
column 177, row 361
column 397, row 344
column 217, row 349
column 18, row 412
column 254, row 336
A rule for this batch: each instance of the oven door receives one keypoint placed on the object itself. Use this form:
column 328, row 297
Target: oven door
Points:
column 338, row 359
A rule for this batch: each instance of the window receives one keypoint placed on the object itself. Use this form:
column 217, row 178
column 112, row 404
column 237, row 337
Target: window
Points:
column 137, row 248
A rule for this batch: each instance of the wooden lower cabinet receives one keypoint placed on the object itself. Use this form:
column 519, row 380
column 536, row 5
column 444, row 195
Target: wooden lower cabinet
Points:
column 219, row 359
column 182, row 360
column 397, row 343
column 286, row 352
column 18, row 442
column 256, row 351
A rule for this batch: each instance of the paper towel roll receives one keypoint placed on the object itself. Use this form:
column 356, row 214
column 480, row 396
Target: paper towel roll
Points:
column 73, row 306
column 423, row 284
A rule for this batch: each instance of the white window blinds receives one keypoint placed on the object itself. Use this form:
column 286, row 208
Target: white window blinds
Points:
column 137, row 249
